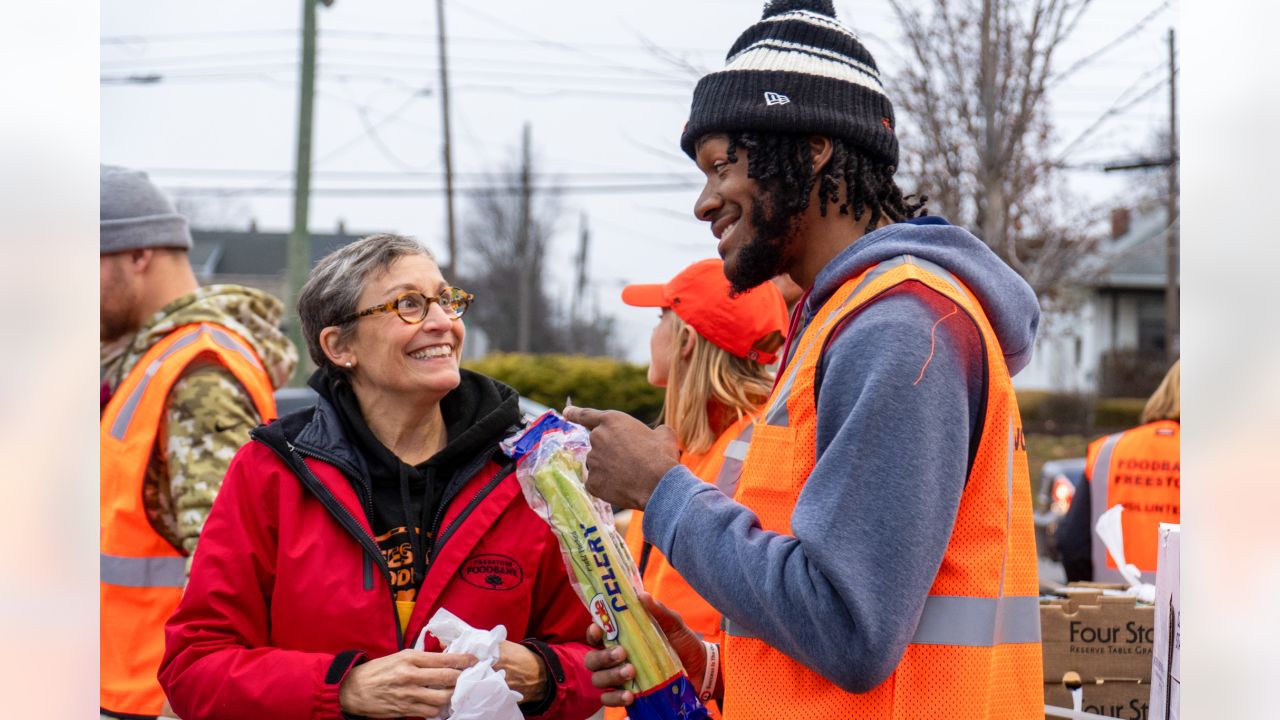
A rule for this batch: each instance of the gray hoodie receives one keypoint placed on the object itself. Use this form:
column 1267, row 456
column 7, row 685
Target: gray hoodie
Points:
column 901, row 391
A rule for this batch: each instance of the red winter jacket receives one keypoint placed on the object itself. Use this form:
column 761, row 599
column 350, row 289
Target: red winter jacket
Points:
column 288, row 590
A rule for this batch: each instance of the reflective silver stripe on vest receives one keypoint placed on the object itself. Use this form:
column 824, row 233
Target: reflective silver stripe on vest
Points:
column 143, row 571
column 222, row 338
column 963, row 621
column 1099, row 477
column 777, row 414
column 734, row 455
column 938, row 270
column 121, row 424
column 978, row 622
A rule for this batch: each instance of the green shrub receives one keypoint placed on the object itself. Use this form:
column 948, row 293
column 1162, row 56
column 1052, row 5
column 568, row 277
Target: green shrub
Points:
column 1031, row 404
column 1075, row 413
column 1052, row 412
column 597, row 382
column 1118, row 413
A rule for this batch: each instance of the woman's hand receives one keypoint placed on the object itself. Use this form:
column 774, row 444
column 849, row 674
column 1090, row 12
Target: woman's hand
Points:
column 610, row 671
column 526, row 672
column 410, row 683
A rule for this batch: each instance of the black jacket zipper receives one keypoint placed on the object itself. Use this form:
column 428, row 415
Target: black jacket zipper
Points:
column 344, row 518
column 475, row 501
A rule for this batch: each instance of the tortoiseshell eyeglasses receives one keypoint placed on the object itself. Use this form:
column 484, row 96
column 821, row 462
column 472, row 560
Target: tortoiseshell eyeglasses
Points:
column 412, row 306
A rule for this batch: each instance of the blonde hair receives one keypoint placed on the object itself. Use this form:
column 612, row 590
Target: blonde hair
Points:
column 1165, row 403
column 710, row 373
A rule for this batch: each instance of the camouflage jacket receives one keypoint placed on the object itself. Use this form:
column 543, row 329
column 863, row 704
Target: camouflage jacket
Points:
column 209, row 414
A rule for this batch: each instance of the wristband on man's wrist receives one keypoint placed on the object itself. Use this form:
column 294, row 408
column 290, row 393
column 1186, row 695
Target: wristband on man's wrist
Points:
column 712, row 671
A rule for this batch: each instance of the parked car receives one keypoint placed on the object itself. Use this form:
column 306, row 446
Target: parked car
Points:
column 295, row 398
column 1060, row 480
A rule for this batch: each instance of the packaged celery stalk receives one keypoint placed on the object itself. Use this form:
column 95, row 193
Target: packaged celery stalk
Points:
column 550, row 460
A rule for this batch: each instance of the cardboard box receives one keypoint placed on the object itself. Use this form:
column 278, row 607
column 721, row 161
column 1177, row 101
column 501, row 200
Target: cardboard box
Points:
column 1099, row 637
column 1115, row 698
column 1165, row 666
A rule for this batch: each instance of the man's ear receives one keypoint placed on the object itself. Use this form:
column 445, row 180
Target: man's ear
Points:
column 331, row 342
column 141, row 258
column 820, row 149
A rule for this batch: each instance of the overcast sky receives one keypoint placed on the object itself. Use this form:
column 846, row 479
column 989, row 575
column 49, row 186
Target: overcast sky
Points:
column 606, row 87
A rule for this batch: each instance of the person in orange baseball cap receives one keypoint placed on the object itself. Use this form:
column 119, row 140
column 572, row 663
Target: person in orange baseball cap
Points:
column 711, row 350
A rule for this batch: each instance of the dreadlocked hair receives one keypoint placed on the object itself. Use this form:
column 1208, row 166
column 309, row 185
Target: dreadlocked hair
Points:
column 783, row 160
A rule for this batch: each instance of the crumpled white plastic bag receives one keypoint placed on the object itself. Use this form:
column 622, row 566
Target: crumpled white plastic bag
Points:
column 481, row 692
column 1111, row 533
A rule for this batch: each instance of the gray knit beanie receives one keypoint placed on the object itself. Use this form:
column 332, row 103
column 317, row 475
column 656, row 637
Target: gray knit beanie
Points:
column 134, row 214
column 798, row 70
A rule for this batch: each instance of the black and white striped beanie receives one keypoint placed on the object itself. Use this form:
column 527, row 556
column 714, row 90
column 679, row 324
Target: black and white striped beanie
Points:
column 798, row 70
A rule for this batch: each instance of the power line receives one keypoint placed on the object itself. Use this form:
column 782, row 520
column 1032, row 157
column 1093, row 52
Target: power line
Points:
column 140, row 64
column 576, row 49
column 1122, row 37
column 341, row 71
column 1140, row 164
column 396, row 174
column 525, row 90
column 389, row 192
column 414, row 38
column 572, row 92
column 177, row 60
column 1118, row 108
column 415, row 71
column 176, row 37
column 329, row 154
column 372, row 133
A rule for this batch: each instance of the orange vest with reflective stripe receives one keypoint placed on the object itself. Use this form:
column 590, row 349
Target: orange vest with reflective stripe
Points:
column 142, row 575
column 720, row 465
column 976, row 651
column 1137, row 468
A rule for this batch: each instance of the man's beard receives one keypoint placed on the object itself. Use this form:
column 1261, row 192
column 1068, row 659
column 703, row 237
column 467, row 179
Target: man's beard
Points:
column 113, row 327
column 763, row 255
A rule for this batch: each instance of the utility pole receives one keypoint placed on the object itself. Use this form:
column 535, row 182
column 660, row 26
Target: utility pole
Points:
column 298, row 254
column 993, row 212
column 450, row 269
column 525, row 239
column 580, row 286
column 576, row 313
column 1172, row 235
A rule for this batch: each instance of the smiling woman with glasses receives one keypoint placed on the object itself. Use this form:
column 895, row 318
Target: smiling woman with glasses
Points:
column 341, row 529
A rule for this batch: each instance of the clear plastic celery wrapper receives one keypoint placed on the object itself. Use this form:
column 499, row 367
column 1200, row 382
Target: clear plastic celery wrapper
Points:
column 550, row 460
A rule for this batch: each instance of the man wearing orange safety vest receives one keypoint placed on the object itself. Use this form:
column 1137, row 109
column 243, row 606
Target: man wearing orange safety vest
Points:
column 1139, row 469
column 877, row 559
column 186, row 373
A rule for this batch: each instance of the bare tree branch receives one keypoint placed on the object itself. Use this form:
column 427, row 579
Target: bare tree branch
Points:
column 977, row 131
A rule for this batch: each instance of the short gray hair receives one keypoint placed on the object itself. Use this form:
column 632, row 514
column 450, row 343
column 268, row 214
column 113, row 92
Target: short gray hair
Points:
column 335, row 284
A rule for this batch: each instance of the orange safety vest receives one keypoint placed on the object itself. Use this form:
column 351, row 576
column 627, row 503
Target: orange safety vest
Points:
column 142, row 574
column 976, row 651
column 1137, row 468
column 720, row 465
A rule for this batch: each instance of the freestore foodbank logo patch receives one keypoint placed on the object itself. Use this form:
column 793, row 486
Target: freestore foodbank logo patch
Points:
column 492, row 572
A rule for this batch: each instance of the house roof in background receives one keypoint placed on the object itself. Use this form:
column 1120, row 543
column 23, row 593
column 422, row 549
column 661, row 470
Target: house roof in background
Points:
column 239, row 252
column 1137, row 258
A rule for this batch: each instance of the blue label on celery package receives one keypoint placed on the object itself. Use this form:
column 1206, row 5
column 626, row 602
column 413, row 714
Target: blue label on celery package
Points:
column 673, row 700
column 519, row 445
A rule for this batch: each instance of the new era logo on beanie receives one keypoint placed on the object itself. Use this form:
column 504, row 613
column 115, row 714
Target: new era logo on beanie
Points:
column 798, row 50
